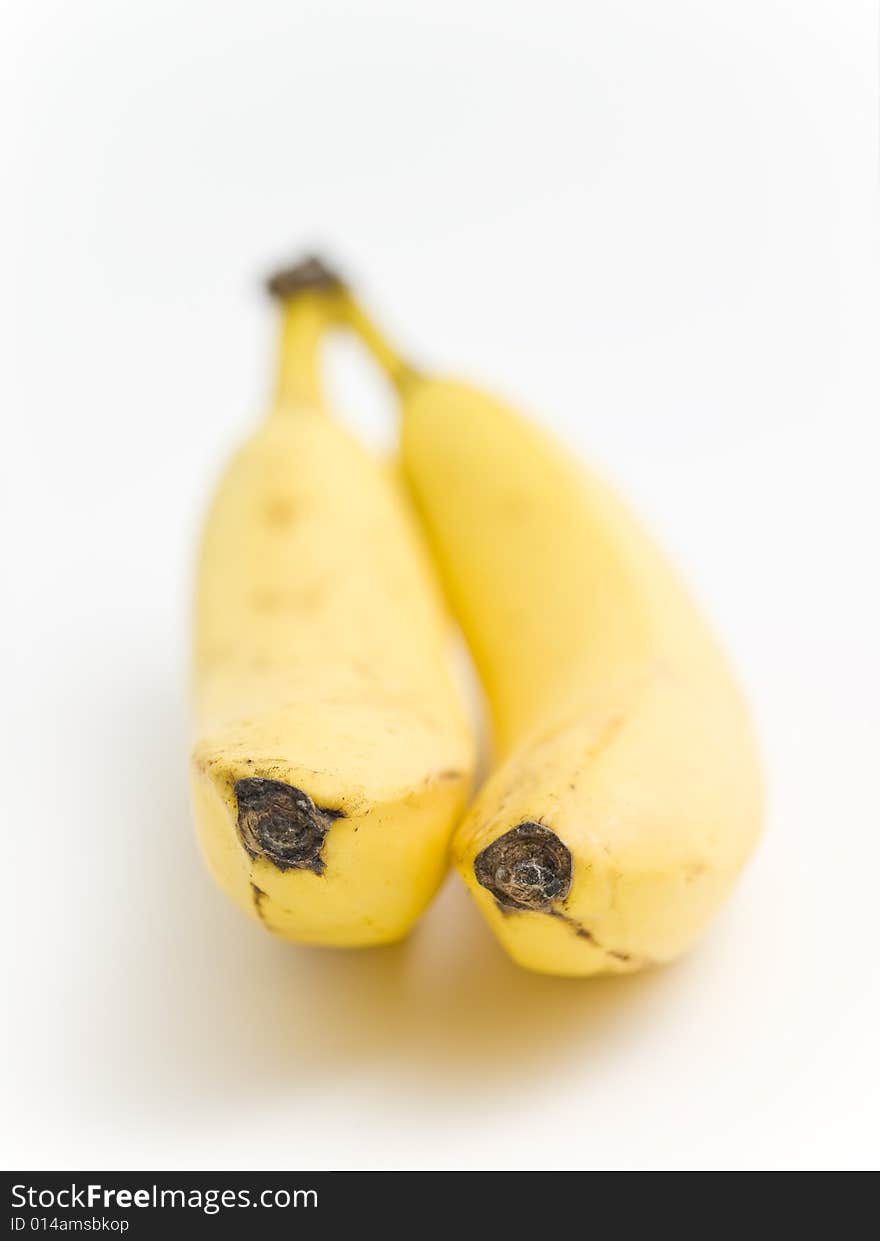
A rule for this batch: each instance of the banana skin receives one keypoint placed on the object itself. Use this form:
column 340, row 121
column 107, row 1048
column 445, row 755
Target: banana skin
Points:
column 332, row 756
column 625, row 794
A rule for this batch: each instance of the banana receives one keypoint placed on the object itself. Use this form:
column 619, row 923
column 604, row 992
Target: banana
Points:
column 332, row 756
column 626, row 793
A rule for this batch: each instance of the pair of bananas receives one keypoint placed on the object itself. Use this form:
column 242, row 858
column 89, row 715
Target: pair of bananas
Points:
column 334, row 757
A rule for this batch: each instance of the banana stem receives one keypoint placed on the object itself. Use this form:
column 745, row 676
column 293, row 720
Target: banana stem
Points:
column 389, row 360
column 314, row 299
column 305, row 319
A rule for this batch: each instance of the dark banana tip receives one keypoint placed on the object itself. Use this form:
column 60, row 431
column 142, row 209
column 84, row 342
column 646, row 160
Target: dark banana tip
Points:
column 281, row 823
column 310, row 273
column 528, row 868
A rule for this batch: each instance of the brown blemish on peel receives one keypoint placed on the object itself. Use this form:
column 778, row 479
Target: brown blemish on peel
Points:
column 305, row 598
column 282, row 824
column 267, row 600
column 258, row 896
column 528, row 870
column 582, row 933
column 279, row 511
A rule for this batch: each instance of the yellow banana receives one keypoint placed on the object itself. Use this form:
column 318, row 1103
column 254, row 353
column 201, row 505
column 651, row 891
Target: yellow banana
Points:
column 626, row 792
column 333, row 756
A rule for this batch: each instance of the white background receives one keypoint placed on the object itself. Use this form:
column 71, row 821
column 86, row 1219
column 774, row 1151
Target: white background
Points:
column 654, row 226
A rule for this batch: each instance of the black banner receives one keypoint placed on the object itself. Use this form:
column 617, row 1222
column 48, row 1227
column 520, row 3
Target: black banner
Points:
column 289, row 1204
